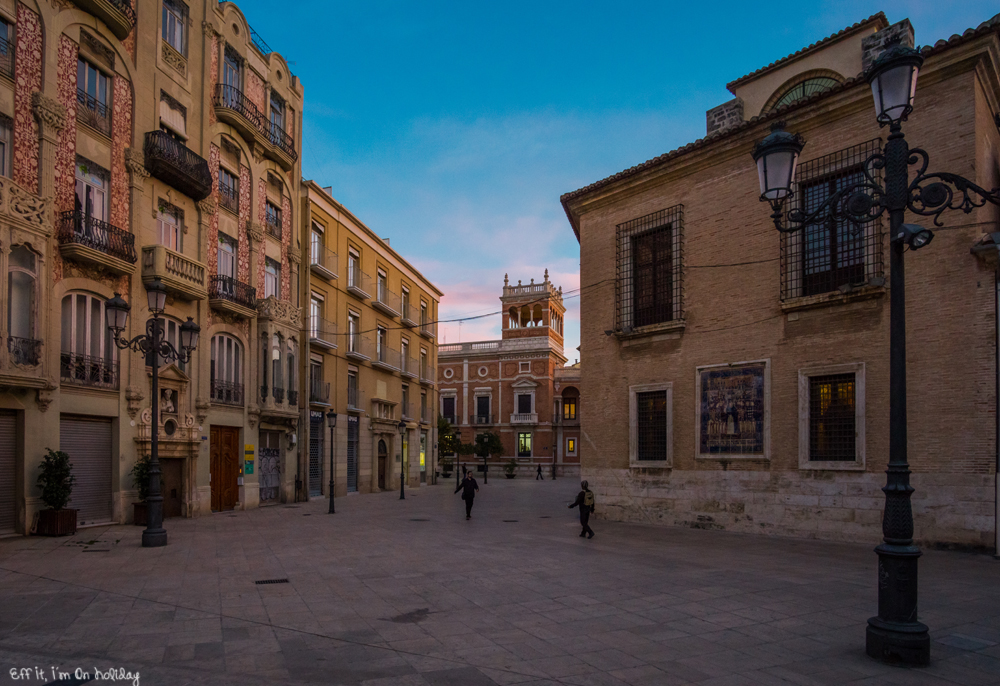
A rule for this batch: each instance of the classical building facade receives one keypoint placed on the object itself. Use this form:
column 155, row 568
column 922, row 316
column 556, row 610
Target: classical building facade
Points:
column 742, row 372
column 370, row 354
column 517, row 387
column 140, row 141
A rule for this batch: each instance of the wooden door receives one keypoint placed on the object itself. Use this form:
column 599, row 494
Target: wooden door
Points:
column 225, row 467
column 382, row 454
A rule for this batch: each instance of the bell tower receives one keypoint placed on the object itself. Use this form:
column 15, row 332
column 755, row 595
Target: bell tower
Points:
column 533, row 310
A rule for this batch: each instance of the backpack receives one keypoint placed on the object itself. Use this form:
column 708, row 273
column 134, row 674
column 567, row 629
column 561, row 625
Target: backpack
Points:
column 588, row 499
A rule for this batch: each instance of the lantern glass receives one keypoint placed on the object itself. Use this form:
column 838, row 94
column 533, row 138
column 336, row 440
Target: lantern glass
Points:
column 116, row 313
column 402, row 428
column 189, row 334
column 894, row 90
column 156, row 296
column 776, row 171
column 331, row 419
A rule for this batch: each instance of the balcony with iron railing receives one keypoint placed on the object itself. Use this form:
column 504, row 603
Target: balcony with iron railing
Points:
column 485, row 419
column 451, row 419
column 273, row 227
column 406, row 411
column 93, row 112
column 227, row 294
column 359, row 347
column 86, row 370
column 174, row 163
column 26, row 352
column 355, row 399
column 86, row 239
column 408, row 366
column 319, row 392
column 293, row 398
column 410, row 315
column 427, row 374
column 282, row 144
column 6, row 59
column 524, row 418
column 226, row 393
column 118, row 15
column 278, row 394
column 323, row 262
column 428, row 329
column 233, row 107
column 386, row 301
column 386, row 358
column 358, row 283
column 183, row 277
column 322, row 332
column 229, row 199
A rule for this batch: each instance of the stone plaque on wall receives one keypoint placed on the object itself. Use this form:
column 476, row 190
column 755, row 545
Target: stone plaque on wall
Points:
column 733, row 419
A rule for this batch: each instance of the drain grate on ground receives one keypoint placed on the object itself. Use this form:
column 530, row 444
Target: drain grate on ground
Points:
column 546, row 517
column 419, row 519
column 510, row 520
column 263, row 582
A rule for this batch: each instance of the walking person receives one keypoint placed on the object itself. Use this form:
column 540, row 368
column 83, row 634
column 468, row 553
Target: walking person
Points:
column 538, row 475
column 585, row 501
column 469, row 488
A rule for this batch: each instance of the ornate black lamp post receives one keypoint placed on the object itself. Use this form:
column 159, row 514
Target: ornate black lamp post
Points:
column 331, row 421
column 402, row 459
column 153, row 346
column 894, row 635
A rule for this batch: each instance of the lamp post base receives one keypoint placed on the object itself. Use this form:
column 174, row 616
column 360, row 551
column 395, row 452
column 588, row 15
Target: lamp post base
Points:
column 154, row 538
column 898, row 643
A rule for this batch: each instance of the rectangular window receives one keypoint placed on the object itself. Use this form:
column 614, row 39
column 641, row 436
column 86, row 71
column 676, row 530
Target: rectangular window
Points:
column 6, row 144
column 353, row 400
column 316, row 245
column 830, row 254
column 448, row 409
column 175, row 25
column 272, row 277
column 272, row 220
column 169, row 223
column 524, row 403
column 832, row 434
column 571, row 446
column 648, row 285
column 315, row 317
column 524, row 445
column 381, row 337
column 523, row 367
column 277, row 114
column 651, row 422
column 406, row 302
column 569, row 408
column 227, row 256
column 383, row 285
column 232, row 75
column 229, row 191
column 93, row 97
column 353, row 332
column 406, row 402
column 91, row 191
column 423, row 313
column 483, row 407
column 404, row 355
column 6, row 49
column 353, row 269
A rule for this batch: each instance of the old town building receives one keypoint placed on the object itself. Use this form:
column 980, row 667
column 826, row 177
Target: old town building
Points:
column 742, row 373
column 146, row 140
column 371, row 335
column 517, row 387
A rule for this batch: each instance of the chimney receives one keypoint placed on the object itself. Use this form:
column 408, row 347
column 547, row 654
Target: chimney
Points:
column 874, row 45
column 725, row 116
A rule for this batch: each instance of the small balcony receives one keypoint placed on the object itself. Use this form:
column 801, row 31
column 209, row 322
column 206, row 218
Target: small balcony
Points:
column 428, row 329
column 386, row 301
column 93, row 112
column 273, row 227
column 229, row 199
column 319, row 392
column 26, row 352
column 226, row 393
column 85, row 239
column 279, row 394
column 408, row 367
column 182, row 276
column 85, row 370
column 355, row 399
column 524, row 418
column 293, row 398
column 282, row 148
column 119, row 15
column 323, row 262
column 233, row 107
column 452, row 419
column 484, row 419
column 359, row 347
column 174, row 163
column 406, row 411
column 427, row 375
column 386, row 358
column 226, row 294
column 426, row 415
column 322, row 333
column 7, row 59
column 359, row 284
column 410, row 315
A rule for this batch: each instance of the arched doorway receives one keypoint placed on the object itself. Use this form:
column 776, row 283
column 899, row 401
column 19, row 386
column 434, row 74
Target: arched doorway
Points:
column 383, row 453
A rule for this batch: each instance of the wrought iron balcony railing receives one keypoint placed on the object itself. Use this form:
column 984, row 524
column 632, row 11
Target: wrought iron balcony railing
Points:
column 257, row 124
column 92, row 112
column 281, row 140
column 428, row 329
column 427, row 374
column 279, row 394
column 119, row 15
column 426, row 415
column 85, row 370
column 386, row 357
column 319, row 392
column 75, row 227
column 359, row 346
column 6, row 58
column 24, row 351
column 406, row 410
column 452, row 419
column 359, row 283
column 322, row 332
column 273, row 226
column 227, row 392
column 293, row 398
column 229, row 199
column 178, row 165
column 485, row 419
column 228, row 288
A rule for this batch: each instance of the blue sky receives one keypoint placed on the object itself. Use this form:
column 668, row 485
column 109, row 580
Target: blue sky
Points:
column 453, row 127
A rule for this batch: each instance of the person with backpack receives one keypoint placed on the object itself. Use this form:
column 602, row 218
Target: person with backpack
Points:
column 538, row 474
column 585, row 501
column 469, row 488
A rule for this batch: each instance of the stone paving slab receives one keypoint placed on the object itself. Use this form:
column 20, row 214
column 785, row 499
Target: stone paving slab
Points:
column 408, row 593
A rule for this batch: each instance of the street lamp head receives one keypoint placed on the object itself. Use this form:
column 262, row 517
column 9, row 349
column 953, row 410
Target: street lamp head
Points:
column 156, row 296
column 402, row 427
column 914, row 236
column 116, row 312
column 893, row 78
column 189, row 334
column 331, row 419
column 776, row 157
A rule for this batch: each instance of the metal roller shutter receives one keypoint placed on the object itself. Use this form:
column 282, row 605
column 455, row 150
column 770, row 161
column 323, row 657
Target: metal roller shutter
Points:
column 8, row 467
column 315, row 454
column 88, row 443
column 353, row 429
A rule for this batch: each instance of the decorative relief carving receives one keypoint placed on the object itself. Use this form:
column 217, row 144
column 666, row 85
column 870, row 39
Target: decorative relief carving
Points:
column 27, row 80
column 45, row 396
column 279, row 311
column 134, row 396
column 174, row 59
column 208, row 28
column 97, row 49
column 135, row 164
column 28, row 207
column 294, row 257
column 49, row 112
column 253, row 415
column 207, row 207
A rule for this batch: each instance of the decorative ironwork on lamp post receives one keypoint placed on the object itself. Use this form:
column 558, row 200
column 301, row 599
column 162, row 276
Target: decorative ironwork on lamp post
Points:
column 331, row 421
column 155, row 347
column 894, row 635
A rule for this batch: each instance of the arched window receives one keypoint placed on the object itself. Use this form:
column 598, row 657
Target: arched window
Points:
column 227, row 370
column 264, row 349
column 88, row 355
column 22, row 282
column 278, row 390
column 804, row 89
column 512, row 318
column 293, row 395
column 171, row 329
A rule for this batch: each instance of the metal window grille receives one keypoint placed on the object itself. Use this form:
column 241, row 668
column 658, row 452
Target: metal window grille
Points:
column 316, row 452
column 649, row 277
column 832, row 253
column 651, row 422
column 832, row 430
column 353, row 438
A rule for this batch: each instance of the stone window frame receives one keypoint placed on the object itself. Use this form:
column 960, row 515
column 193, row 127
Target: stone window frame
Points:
column 531, row 444
column 575, row 442
column 450, row 393
column 521, row 369
column 766, row 456
column 633, row 426
column 859, row 462
column 481, row 392
column 522, row 391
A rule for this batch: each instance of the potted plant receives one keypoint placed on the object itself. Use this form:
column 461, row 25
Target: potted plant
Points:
column 446, row 466
column 140, row 477
column 56, row 479
column 510, row 469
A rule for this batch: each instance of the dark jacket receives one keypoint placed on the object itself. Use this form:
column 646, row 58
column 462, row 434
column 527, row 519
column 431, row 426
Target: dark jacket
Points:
column 579, row 503
column 469, row 487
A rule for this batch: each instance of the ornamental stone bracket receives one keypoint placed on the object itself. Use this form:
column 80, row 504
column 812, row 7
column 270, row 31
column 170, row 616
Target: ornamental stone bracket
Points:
column 255, row 232
column 135, row 163
column 134, row 397
column 201, row 407
column 45, row 396
column 51, row 116
column 208, row 28
column 279, row 312
column 207, row 208
column 253, row 415
column 294, row 257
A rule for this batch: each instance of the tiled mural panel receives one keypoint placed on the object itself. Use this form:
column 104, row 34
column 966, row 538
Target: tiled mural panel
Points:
column 27, row 79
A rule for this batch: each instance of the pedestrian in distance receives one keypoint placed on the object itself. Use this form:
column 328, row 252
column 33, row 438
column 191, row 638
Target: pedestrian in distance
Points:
column 585, row 501
column 538, row 475
column 469, row 488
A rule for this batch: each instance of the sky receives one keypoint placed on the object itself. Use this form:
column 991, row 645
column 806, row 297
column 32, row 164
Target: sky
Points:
column 452, row 128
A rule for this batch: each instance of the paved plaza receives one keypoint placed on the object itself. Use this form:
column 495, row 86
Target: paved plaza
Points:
column 408, row 593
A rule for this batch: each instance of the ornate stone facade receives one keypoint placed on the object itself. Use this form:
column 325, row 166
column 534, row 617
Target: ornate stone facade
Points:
column 27, row 80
